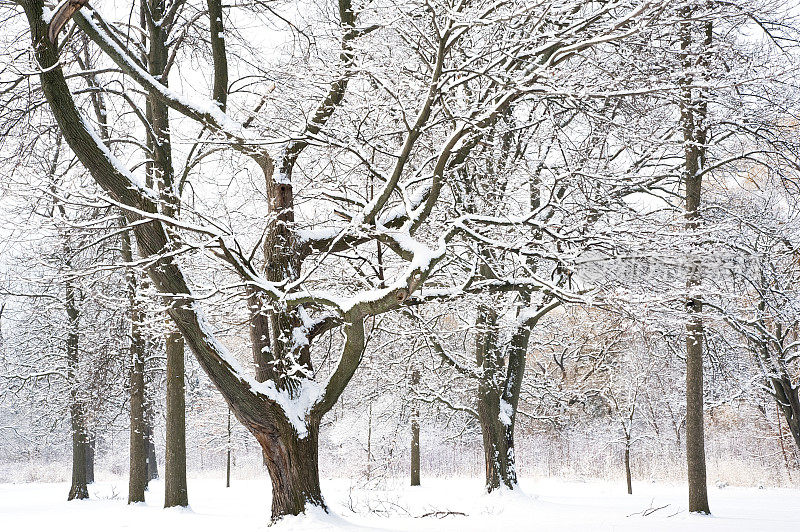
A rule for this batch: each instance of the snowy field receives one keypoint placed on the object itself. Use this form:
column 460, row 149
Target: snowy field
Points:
column 548, row 504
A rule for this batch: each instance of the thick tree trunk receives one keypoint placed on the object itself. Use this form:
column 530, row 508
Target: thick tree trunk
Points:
column 495, row 414
column 787, row 397
column 498, row 442
column 498, row 393
column 292, row 463
column 415, row 480
column 78, row 489
column 175, row 493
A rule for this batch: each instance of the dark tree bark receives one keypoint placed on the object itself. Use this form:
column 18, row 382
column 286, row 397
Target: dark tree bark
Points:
column 293, row 467
column 498, row 461
column 787, row 397
column 152, row 460
column 415, row 480
column 628, row 464
column 498, row 393
column 175, row 493
column 773, row 345
column 78, row 489
column 218, row 53
column 162, row 175
column 693, row 113
column 137, row 481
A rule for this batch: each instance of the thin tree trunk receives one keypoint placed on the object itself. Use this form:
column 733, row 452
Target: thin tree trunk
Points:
column 162, row 175
column 693, row 111
column 152, row 461
column 228, row 465
column 90, row 447
column 175, row 493
column 415, row 480
column 628, row 464
column 137, row 481
column 369, row 442
column 138, row 453
column 78, row 489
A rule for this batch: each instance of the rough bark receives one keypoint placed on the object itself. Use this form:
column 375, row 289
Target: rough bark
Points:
column 175, row 490
column 292, row 463
column 162, row 174
column 137, row 482
column 693, row 111
column 787, row 397
column 218, row 52
column 498, row 444
column 498, row 392
column 497, row 439
column 259, row 335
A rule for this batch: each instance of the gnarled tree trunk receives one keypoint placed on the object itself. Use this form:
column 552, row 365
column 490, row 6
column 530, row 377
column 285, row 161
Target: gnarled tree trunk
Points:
column 499, row 390
column 292, row 463
column 498, row 443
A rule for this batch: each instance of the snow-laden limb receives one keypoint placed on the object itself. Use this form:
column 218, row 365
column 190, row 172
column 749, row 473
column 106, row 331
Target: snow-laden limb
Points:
column 151, row 237
column 203, row 110
column 295, row 406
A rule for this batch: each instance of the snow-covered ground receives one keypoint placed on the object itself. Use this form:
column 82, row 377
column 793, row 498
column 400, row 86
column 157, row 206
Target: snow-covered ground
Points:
column 454, row 504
